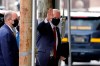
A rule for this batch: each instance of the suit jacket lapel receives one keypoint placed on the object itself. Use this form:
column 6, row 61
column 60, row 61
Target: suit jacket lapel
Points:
column 58, row 34
column 50, row 29
column 8, row 29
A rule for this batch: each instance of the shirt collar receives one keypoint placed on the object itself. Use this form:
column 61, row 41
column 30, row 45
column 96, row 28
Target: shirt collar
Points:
column 52, row 25
column 10, row 28
column 46, row 21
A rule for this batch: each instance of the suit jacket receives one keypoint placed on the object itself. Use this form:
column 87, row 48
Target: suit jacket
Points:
column 9, row 53
column 45, row 39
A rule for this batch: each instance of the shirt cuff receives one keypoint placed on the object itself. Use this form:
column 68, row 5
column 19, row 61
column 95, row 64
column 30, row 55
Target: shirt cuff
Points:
column 46, row 21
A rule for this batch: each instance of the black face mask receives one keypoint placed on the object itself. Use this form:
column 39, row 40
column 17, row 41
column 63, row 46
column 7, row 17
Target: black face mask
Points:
column 15, row 22
column 55, row 21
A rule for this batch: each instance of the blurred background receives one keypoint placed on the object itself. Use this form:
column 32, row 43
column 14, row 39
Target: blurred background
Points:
column 10, row 5
column 77, row 5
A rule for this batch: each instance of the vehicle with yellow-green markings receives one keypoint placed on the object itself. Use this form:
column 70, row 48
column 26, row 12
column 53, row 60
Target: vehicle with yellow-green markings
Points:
column 85, row 36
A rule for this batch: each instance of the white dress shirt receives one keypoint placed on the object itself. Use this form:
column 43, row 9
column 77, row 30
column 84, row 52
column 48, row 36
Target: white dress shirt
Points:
column 12, row 29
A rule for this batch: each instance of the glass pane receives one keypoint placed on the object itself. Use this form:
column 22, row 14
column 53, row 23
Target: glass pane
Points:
column 82, row 5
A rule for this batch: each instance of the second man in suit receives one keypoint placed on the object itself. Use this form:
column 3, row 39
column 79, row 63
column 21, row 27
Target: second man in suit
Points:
column 48, row 40
column 9, row 53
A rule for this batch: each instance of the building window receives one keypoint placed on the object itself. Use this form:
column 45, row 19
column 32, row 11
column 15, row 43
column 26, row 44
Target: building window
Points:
column 76, row 5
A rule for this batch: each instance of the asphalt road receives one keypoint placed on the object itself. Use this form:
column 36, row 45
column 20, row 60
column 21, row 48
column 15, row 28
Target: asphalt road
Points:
column 92, row 63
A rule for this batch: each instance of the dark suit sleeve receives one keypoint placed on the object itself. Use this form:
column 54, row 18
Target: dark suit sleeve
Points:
column 42, row 28
column 63, row 48
column 5, row 49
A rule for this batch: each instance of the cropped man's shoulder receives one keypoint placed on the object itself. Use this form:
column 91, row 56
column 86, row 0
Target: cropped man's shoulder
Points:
column 42, row 23
column 3, row 31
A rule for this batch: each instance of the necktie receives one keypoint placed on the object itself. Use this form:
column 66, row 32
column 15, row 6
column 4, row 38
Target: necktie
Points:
column 54, row 48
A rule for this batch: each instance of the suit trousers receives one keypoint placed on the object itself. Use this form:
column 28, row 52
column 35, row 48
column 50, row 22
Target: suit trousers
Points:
column 42, row 58
column 53, row 61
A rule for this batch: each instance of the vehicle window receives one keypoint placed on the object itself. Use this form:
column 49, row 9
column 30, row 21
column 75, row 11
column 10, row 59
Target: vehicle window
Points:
column 84, row 23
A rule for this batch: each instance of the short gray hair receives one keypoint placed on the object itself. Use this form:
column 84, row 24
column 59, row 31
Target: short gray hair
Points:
column 56, row 10
column 7, row 16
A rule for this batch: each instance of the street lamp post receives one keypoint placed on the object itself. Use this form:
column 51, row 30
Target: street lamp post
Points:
column 69, row 32
column 34, row 15
column 63, row 25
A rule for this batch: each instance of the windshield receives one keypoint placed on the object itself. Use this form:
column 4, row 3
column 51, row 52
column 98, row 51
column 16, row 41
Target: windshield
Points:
column 91, row 23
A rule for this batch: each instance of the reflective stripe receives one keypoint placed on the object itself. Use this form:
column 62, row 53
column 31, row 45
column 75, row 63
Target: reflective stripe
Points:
column 64, row 40
column 97, row 40
column 25, row 53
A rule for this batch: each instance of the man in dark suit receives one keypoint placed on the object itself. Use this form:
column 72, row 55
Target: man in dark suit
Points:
column 9, row 53
column 48, row 39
